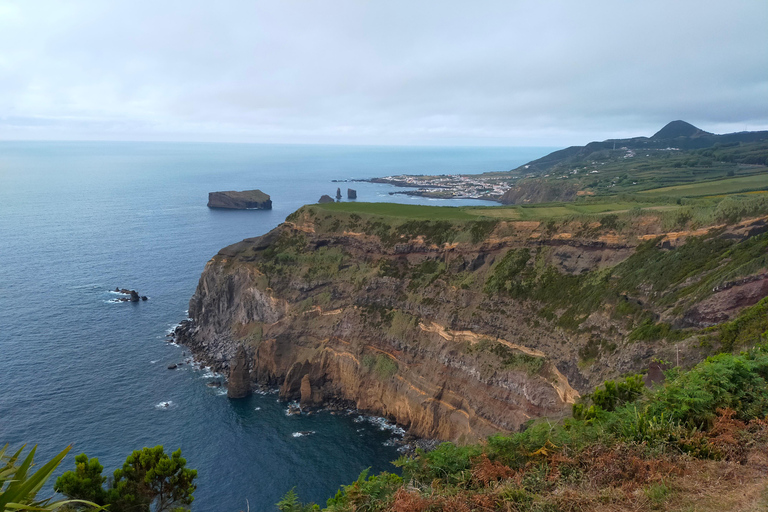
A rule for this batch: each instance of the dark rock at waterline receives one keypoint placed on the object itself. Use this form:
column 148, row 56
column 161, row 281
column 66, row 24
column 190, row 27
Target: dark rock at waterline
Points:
column 133, row 295
column 351, row 193
column 325, row 199
column 239, row 375
column 338, row 193
column 172, row 366
column 240, row 200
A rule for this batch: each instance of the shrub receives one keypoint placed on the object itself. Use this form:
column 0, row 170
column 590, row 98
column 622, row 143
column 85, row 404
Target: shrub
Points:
column 370, row 493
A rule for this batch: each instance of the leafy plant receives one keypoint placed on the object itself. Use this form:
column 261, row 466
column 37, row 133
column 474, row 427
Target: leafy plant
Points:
column 19, row 488
column 369, row 493
column 291, row 503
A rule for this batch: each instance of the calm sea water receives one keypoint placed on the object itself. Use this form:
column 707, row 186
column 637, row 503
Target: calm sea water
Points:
column 79, row 219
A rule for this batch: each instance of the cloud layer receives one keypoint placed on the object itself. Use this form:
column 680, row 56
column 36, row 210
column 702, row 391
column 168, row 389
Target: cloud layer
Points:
column 394, row 72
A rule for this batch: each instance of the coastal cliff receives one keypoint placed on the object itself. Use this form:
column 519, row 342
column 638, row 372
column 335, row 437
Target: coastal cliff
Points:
column 240, row 200
column 462, row 328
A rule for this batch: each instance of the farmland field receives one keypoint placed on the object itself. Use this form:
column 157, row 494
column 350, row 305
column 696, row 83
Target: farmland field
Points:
column 716, row 187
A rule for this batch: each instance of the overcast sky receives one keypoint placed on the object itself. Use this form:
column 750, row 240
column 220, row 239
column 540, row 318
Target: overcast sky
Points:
column 379, row 72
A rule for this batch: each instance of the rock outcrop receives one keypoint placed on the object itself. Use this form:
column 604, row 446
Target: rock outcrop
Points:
column 132, row 295
column 325, row 198
column 243, row 200
column 453, row 337
column 351, row 193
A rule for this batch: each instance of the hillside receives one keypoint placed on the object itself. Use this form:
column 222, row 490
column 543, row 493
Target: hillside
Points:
column 678, row 154
column 696, row 442
column 467, row 324
column 677, row 136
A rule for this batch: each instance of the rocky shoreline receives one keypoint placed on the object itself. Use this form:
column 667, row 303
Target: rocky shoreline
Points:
column 407, row 442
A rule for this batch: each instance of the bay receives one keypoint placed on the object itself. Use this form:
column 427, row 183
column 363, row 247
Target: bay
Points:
column 78, row 219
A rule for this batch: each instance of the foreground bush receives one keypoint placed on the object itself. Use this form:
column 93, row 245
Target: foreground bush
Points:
column 624, row 444
column 148, row 480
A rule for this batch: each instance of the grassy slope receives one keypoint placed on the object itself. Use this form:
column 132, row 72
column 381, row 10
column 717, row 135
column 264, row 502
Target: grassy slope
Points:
column 607, row 172
column 696, row 443
column 542, row 211
column 757, row 182
column 668, row 282
column 681, row 447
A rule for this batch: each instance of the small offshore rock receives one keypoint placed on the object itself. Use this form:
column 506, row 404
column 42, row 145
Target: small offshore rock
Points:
column 172, row 366
column 240, row 200
column 338, row 193
column 351, row 193
column 144, row 297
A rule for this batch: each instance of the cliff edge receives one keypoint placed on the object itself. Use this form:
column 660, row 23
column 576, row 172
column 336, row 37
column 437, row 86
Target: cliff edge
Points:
column 461, row 328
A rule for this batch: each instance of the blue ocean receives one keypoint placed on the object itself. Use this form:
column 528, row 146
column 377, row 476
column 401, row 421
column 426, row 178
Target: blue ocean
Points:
column 79, row 368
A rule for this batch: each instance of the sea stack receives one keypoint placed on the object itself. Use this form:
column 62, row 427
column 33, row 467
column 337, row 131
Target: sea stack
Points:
column 243, row 200
column 338, row 193
column 306, row 391
column 239, row 385
column 351, row 193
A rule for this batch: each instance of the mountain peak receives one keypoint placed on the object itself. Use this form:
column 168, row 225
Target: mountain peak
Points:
column 677, row 129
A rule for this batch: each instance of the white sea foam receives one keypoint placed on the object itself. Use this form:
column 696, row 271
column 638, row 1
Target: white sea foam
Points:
column 293, row 408
column 257, row 409
column 208, row 373
column 304, row 433
column 221, row 391
column 153, row 362
column 381, row 423
column 164, row 405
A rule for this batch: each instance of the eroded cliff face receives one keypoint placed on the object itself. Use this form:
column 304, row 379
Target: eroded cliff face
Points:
column 455, row 331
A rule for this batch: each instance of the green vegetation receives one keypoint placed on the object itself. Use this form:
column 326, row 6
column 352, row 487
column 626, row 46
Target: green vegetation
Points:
column 148, row 480
column 381, row 365
column 19, row 487
column 474, row 223
column 747, row 326
column 408, row 211
column 714, row 187
column 674, row 278
column 725, row 166
column 622, row 437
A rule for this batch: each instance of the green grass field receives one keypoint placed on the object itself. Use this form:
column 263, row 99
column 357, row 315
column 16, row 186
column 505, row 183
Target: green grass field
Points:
column 525, row 212
column 711, row 188
column 409, row 211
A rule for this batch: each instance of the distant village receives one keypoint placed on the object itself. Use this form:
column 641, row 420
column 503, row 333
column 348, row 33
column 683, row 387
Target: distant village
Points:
column 450, row 186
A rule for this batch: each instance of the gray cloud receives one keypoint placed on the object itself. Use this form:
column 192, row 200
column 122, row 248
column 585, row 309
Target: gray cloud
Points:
column 395, row 72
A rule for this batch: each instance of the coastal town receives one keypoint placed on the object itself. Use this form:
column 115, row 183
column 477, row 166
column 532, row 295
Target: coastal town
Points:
column 451, row 186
